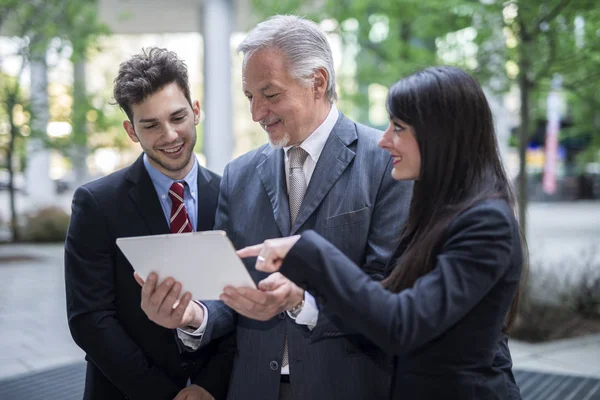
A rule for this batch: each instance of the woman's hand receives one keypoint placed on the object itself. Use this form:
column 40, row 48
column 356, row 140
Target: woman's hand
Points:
column 270, row 254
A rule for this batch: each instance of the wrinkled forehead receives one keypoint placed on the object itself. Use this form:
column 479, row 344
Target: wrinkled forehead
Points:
column 264, row 67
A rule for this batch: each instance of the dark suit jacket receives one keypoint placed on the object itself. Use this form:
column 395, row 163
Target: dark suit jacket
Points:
column 444, row 332
column 128, row 355
column 352, row 201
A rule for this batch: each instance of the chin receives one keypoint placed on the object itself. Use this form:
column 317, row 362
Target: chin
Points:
column 402, row 176
column 280, row 141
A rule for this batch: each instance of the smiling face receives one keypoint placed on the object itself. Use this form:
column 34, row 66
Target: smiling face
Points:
column 400, row 140
column 286, row 109
column 164, row 124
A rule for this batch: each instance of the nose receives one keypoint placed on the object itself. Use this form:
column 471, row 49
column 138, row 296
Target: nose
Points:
column 170, row 133
column 386, row 140
column 258, row 109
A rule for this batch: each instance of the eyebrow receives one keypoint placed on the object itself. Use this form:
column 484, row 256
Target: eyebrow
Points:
column 145, row 120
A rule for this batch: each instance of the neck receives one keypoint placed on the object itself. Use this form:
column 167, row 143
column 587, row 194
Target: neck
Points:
column 321, row 113
column 175, row 175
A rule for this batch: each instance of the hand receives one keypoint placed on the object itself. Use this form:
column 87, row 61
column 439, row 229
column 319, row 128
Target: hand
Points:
column 276, row 294
column 270, row 254
column 193, row 392
column 162, row 307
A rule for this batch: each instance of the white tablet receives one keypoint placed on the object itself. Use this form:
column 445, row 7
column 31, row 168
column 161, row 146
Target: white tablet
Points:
column 204, row 262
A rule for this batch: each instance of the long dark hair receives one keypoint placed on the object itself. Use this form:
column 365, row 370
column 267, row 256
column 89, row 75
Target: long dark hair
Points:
column 460, row 163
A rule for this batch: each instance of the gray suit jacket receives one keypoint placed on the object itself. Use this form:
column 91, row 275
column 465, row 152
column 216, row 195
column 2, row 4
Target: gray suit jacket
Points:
column 353, row 202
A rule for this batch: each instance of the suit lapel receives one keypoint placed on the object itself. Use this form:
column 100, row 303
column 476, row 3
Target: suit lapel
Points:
column 207, row 197
column 334, row 159
column 272, row 174
column 143, row 194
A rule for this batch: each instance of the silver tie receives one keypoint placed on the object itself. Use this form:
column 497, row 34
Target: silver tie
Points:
column 297, row 188
column 297, row 180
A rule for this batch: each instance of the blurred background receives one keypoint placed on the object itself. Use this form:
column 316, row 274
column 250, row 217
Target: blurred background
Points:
column 538, row 60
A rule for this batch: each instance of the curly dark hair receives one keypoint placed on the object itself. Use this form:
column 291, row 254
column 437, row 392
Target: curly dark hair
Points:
column 145, row 74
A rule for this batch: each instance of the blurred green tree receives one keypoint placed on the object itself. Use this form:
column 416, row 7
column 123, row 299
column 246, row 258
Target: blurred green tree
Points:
column 503, row 43
column 33, row 25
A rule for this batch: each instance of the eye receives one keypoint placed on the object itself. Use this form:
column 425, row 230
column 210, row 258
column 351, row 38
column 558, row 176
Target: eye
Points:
column 272, row 96
column 398, row 128
column 249, row 97
column 179, row 118
column 150, row 126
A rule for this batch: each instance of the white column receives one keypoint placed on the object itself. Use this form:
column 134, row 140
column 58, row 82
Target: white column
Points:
column 79, row 151
column 217, row 17
column 40, row 187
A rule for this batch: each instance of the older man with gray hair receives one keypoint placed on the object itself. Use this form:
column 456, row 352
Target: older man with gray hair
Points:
column 320, row 171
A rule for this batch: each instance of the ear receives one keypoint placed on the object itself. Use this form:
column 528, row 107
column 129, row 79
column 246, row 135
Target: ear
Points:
column 320, row 82
column 130, row 131
column 196, row 110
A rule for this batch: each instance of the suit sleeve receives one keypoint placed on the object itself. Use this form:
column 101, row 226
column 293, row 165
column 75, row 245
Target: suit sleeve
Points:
column 91, row 310
column 389, row 215
column 219, row 336
column 472, row 260
column 222, row 319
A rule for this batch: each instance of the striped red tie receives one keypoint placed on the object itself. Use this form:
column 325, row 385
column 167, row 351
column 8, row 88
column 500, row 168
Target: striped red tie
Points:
column 179, row 216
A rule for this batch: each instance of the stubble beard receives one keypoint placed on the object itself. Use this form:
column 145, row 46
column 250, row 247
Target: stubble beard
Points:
column 170, row 165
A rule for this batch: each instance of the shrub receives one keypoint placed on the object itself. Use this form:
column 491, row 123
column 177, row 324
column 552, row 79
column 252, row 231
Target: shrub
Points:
column 46, row 225
column 560, row 300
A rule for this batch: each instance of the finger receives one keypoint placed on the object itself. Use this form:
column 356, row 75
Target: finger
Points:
column 271, row 282
column 231, row 303
column 179, row 310
column 239, row 302
column 138, row 279
column 269, row 265
column 168, row 304
column 148, row 289
column 256, row 296
column 180, row 396
column 160, row 294
column 270, row 261
column 282, row 292
column 250, row 251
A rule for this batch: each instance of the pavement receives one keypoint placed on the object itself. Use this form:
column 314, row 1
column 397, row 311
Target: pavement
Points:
column 34, row 334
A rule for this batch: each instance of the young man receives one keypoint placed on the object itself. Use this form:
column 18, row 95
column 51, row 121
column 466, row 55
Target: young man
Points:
column 165, row 190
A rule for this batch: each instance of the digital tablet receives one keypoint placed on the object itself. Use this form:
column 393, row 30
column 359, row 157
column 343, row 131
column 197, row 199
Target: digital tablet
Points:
column 204, row 262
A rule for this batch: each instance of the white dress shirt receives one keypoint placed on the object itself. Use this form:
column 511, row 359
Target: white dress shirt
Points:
column 309, row 315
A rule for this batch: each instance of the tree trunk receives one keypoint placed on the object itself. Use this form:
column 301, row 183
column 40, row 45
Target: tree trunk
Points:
column 524, row 87
column 14, row 221
column 80, row 108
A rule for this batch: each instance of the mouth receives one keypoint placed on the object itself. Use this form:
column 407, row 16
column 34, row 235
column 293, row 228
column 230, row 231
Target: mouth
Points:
column 173, row 152
column 396, row 159
column 270, row 124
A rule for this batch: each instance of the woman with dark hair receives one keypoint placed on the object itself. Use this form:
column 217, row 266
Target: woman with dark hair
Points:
column 453, row 290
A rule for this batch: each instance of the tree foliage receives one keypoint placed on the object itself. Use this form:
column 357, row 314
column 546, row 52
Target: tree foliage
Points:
column 504, row 43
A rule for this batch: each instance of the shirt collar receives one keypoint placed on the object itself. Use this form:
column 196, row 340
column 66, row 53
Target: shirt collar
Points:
column 163, row 183
column 315, row 142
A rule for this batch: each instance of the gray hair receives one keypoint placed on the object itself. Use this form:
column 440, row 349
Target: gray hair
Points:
column 301, row 41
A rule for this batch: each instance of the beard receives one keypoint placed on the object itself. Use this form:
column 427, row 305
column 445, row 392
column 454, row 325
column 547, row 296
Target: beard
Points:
column 173, row 165
column 281, row 142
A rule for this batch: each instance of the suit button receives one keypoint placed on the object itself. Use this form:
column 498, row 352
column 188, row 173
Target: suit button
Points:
column 281, row 315
column 274, row 365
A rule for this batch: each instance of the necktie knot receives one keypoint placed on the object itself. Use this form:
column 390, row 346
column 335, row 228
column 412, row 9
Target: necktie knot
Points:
column 297, row 155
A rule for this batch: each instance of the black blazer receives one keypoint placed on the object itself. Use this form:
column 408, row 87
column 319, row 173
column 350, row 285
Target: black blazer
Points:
column 128, row 355
column 444, row 331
